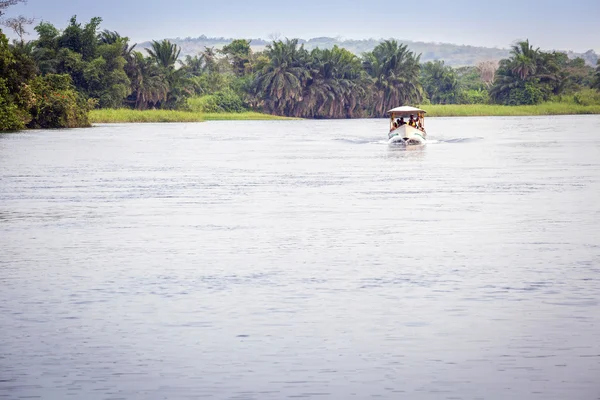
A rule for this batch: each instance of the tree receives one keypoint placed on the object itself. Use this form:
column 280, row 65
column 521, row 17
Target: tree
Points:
column 596, row 83
column 336, row 86
column 4, row 4
column 528, row 76
column 440, row 82
column 18, row 26
column 105, row 77
column 164, row 53
column 524, row 59
column 149, row 85
column 238, row 54
column 58, row 104
column 280, row 83
column 395, row 75
column 10, row 115
column 487, row 72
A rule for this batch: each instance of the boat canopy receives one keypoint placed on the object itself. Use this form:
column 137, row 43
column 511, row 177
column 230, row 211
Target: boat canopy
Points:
column 405, row 111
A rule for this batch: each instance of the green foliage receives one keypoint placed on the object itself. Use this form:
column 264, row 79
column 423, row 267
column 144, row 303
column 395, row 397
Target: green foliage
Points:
column 11, row 118
column 81, row 40
column 528, row 93
column 238, row 54
column 108, row 115
column 164, row 53
column 474, row 96
column 468, row 110
column 596, row 83
column 587, row 97
column 57, row 103
column 105, row 76
column 440, row 83
column 220, row 102
column 279, row 84
column 469, row 78
column 284, row 79
column 531, row 76
column 394, row 71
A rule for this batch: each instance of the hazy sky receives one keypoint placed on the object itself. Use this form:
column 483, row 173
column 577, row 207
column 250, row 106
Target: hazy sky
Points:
column 549, row 24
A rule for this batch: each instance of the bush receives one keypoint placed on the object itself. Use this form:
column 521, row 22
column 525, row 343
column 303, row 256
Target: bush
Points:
column 11, row 118
column 57, row 103
column 221, row 102
column 587, row 97
column 474, row 96
column 528, row 94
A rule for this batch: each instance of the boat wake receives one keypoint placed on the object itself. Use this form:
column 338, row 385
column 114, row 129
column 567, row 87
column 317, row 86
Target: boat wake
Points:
column 461, row 140
column 354, row 141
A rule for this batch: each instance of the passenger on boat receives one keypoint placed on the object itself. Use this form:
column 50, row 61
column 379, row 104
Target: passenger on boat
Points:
column 401, row 121
column 412, row 121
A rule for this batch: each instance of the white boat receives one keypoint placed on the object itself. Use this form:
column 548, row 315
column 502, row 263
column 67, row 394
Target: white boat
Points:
column 404, row 133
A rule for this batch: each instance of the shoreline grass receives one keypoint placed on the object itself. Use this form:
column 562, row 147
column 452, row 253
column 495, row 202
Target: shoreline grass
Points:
column 124, row 115
column 486, row 110
column 433, row 110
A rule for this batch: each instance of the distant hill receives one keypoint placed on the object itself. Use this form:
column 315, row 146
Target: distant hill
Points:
column 453, row 54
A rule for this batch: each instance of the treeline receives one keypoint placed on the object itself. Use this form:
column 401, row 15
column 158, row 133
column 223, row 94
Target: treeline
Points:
column 54, row 80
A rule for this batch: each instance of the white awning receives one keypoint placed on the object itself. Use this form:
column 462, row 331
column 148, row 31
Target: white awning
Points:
column 405, row 110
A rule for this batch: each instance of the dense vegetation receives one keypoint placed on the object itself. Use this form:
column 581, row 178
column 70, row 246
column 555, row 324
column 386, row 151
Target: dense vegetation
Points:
column 453, row 55
column 54, row 80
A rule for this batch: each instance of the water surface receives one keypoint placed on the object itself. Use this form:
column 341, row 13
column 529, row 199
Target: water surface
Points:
column 301, row 259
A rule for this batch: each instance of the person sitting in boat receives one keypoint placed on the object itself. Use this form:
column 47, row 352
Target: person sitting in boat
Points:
column 401, row 121
column 411, row 121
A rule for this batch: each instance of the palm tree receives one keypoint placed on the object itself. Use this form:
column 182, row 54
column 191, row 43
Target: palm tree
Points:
column 395, row 75
column 164, row 53
column 336, row 85
column 528, row 76
column 109, row 37
column 280, row 83
column 149, row 85
column 524, row 59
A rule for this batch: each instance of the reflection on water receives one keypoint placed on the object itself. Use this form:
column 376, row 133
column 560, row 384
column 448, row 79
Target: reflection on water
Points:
column 270, row 260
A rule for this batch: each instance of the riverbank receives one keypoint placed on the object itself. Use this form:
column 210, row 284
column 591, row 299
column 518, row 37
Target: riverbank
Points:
column 485, row 110
column 127, row 116
column 433, row 110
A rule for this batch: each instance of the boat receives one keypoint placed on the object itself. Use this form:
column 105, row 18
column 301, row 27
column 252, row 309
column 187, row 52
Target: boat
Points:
column 406, row 134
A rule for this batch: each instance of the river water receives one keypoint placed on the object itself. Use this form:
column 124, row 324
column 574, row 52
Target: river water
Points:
column 302, row 259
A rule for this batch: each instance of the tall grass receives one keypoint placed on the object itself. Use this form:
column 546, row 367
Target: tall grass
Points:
column 243, row 116
column 472, row 110
column 124, row 115
column 107, row 115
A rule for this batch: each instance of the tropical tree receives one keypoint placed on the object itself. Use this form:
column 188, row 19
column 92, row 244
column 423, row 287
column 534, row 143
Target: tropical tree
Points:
column 596, row 83
column 528, row 76
column 238, row 54
column 280, row 83
column 164, row 53
column 11, row 117
column 336, row 85
column 82, row 40
column 524, row 59
column 440, row 82
column 394, row 71
column 149, row 85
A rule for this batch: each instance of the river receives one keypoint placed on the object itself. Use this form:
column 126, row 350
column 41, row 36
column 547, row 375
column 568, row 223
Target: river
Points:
column 302, row 259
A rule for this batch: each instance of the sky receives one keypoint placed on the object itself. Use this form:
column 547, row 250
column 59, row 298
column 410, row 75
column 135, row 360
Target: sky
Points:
column 548, row 24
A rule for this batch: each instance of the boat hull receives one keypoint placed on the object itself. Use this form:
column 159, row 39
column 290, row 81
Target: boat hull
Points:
column 407, row 135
